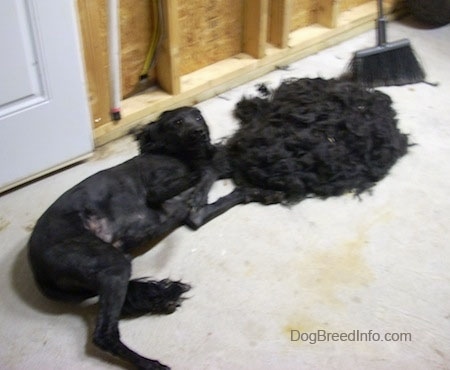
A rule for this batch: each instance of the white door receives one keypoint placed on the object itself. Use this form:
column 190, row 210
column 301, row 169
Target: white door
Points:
column 44, row 113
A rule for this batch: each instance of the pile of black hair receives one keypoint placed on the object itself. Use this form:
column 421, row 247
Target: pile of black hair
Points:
column 315, row 137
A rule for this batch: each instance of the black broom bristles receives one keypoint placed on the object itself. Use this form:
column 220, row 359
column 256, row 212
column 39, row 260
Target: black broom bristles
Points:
column 390, row 64
column 386, row 64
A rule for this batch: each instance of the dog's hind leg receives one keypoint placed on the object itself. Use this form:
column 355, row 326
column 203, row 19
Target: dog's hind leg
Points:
column 113, row 283
column 87, row 263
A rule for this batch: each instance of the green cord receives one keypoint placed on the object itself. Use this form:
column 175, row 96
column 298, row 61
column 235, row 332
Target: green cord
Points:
column 156, row 33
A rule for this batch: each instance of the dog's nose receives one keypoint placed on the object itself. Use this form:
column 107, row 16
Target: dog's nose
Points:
column 199, row 132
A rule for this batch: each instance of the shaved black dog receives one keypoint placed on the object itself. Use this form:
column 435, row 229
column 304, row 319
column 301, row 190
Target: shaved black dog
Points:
column 80, row 247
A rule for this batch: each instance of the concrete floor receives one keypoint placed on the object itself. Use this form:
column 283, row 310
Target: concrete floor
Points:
column 263, row 274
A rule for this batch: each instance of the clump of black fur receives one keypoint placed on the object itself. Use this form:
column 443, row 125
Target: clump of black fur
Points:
column 315, row 137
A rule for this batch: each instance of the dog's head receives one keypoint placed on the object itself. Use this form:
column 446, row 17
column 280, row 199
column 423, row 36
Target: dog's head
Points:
column 180, row 132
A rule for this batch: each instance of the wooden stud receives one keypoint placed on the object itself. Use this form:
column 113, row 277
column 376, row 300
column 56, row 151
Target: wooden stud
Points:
column 92, row 16
column 327, row 12
column 280, row 19
column 349, row 4
column 167, row 70
column 255, row 27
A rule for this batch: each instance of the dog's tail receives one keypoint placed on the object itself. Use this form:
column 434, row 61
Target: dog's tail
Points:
column 156, row 297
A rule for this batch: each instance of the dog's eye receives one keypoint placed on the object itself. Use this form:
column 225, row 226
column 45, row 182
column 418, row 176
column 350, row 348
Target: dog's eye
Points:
column 179, row 122
column 198, row 118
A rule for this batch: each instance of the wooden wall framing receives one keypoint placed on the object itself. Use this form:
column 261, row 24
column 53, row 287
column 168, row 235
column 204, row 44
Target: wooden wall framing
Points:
column 209, row 46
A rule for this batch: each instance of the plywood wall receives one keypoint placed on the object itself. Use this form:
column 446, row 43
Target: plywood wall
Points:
column 348, row 4
column 210, row 31
column 304, row 13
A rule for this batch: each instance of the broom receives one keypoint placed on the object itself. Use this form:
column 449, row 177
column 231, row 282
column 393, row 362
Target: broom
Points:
column 386, row 64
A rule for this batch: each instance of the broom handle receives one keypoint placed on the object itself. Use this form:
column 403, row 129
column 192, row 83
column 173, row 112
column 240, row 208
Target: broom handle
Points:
column 381, row 25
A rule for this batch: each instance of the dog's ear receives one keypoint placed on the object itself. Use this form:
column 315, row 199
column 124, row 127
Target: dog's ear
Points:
column 148, row 138
column 137, row 131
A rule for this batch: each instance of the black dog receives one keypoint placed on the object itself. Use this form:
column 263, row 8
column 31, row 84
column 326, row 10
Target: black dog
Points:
column 80, row 246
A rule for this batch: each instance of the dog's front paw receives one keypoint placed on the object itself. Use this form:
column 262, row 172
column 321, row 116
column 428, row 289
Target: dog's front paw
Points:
column 152, row 365
column 264, row 196
column 273, row 197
